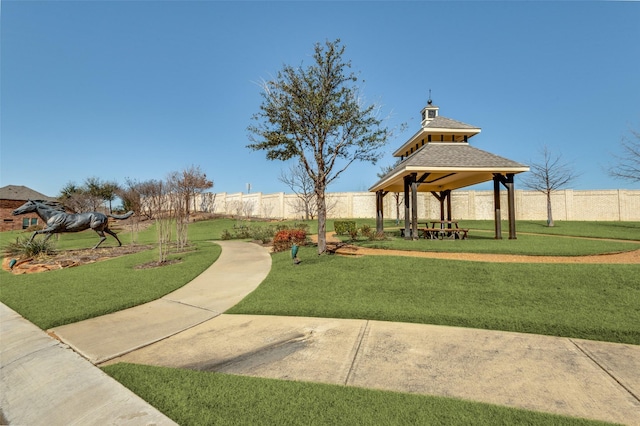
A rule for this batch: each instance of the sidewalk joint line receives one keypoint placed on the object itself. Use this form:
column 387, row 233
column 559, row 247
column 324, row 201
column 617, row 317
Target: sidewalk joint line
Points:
column 191, row 306
column 363, row 333
column 636, row 397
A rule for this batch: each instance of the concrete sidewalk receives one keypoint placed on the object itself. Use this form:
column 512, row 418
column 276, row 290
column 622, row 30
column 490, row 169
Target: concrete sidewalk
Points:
column 572, row 377
column 46, row 383
column 240, row 268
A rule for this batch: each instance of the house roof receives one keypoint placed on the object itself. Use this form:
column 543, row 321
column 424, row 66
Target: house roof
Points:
column 21, row 193
column 443, row 166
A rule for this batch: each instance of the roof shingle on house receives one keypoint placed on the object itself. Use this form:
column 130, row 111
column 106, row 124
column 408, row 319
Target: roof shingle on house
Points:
column 21, row 193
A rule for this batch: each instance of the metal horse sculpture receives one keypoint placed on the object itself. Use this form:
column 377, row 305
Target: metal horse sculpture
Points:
column 57, row 220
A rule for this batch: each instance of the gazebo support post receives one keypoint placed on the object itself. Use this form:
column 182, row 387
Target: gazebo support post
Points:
column 410, row 200
column 496, row 204
column 508, row 183
column 414, row 207
column 379, row 211
column 449, row 215
column 407, row 199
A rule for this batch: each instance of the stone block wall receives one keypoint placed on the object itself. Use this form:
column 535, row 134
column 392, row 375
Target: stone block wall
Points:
column 604, row 205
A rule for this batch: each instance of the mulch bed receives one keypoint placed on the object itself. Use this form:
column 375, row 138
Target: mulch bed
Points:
column 69, row 258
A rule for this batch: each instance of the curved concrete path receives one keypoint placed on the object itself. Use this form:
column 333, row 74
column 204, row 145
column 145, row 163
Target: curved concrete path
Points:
column 573, row 377
column 45, row 383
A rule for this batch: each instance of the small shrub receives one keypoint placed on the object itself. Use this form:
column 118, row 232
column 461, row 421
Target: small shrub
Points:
column 343, row 227
column 24, row 248
column 263, row 233
column 226, row 235
column 303, row 226
column 366, row 231
column 241, row 232
column 285, row 238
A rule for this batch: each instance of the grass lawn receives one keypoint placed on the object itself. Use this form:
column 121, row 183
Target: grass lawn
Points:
column 536, row 245
column 200, row 398
column 597, row 302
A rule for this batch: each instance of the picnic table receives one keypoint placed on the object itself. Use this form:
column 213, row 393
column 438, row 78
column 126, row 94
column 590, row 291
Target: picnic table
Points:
column 441, row 229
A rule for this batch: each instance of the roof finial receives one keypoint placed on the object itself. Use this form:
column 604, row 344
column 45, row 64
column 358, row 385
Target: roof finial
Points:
column 429, row 102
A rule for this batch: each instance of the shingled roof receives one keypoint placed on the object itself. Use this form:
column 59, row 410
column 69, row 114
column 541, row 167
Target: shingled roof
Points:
column 447, row 166
column 441, row 122
column 456, row 155
column 21, row 193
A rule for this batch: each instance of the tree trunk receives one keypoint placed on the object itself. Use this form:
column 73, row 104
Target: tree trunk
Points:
column 549, row 213
column 322, row 221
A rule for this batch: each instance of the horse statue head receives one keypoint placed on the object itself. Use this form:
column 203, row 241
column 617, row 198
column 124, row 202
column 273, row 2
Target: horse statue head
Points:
column 32, row 206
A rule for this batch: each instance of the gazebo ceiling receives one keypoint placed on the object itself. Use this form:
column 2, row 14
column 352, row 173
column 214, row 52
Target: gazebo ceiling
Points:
column 447, row 166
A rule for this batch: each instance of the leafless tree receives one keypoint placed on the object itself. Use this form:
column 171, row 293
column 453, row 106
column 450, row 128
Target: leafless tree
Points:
column 549, row 175
column 132, row 200
column 208, row 202
column 189, row 183
column 398, row 197
column 299, row 181
column 152, row 201
column 628, row 162
column 154, row 204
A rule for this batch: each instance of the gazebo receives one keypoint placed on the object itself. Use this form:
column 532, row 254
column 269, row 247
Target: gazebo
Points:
column 438, row 159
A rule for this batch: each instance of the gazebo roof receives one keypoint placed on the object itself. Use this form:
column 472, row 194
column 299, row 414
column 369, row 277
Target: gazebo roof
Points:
column 443, row 166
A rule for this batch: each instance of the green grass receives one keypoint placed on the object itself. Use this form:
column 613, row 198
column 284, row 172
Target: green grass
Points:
column 588, row 229
column 526, row 244
column 64, row 296
column 591, row 301
column 200, row 398
column 598, row 302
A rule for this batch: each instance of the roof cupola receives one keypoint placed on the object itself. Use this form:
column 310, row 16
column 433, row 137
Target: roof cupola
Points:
column 429, row 112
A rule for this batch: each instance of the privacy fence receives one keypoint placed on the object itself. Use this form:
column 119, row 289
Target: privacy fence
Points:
column 605, row 205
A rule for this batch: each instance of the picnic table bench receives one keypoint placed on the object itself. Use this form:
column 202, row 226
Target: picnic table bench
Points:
column 446, row 229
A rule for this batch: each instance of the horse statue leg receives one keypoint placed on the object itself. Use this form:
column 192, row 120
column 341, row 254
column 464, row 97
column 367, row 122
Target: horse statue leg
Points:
column 102, row 238
column 47, row 231
column 113, row 234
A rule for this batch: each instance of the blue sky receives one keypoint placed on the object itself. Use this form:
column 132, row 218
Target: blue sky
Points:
column 138, row 89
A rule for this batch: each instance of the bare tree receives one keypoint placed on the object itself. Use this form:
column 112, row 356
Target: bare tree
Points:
column 131, row 196
column 183, row 189
column 548, row 176
column 179, row 201
column 208, row 202
column 628, row 163
column 190, row 182
column 152, row 200
column 316, row 114
column 132, row 201
column 398, row 197
column 163, row 213
column 299, row 181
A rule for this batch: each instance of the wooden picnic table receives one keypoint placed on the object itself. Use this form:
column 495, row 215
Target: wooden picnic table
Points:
column 441, row 229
